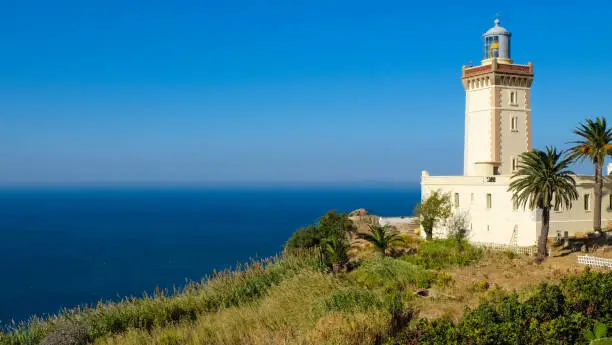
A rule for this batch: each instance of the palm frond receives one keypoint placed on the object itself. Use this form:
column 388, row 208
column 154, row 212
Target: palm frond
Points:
column 544, row 180
column 381, row 237
column 595, row 141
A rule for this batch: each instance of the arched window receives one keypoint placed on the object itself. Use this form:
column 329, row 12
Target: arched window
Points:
column 512, row 97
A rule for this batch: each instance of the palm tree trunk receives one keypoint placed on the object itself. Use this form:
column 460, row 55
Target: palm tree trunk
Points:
column 598, row 192
column 543, row 234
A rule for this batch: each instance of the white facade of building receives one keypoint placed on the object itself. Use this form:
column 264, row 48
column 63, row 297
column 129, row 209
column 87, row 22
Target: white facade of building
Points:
column 497, row 130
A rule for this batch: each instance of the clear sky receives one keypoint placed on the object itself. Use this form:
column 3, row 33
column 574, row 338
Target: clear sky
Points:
column 274, row 91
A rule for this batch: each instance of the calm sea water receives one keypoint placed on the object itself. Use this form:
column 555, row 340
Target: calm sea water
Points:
column 61, row 248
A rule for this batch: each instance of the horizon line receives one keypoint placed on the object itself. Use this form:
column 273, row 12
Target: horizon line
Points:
column 217, row 184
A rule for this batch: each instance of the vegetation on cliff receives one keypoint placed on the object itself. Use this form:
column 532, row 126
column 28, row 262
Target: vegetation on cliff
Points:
column 385, row 297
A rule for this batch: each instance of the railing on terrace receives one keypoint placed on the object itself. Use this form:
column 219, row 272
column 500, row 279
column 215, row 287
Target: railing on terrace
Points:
column 595, row 261
column 531, row 250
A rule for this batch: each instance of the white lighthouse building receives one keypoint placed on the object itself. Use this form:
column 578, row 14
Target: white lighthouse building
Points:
column 497, row 130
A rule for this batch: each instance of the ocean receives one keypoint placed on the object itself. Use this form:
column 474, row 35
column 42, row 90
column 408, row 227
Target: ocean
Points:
column 67, row 247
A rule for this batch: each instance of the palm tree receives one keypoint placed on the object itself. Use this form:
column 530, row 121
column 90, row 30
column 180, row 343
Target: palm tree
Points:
column 381, row 237
column 595, row 144
column 336, row 252
column 543, row 181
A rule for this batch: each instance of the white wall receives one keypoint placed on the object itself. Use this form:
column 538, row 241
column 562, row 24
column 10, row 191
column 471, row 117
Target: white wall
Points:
column 477, row 128
column 495, row 224
column 577, row 219
column 513, row 142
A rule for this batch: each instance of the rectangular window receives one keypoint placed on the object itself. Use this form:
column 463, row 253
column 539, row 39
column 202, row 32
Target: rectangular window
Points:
column 489, row 201
column 587, row 202
column 610, row 205
column 456, row 199
column 514, row 164
column 514, row 124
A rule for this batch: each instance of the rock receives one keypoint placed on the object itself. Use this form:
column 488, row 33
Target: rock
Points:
column 359, row 212
column 422, row 292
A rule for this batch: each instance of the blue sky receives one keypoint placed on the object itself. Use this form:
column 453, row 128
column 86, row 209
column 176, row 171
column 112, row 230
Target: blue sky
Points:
column 273, row 91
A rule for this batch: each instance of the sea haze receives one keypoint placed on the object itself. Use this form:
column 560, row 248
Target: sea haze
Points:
column 64, row 247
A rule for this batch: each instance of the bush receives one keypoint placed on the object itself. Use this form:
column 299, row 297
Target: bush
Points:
column 351, row 300
column 69, row 334
column 392, row 274
column 554, row 314
column 481, row 286
column 334, row 224
column 307, row 237
column 458, row 227
column 330, row 232
column 438, row 254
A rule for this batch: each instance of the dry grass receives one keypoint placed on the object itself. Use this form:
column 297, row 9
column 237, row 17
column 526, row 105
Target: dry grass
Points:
column 496, row 272
column 290, row 314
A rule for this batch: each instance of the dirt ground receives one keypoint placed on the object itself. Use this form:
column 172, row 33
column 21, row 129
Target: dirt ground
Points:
column 497, row 270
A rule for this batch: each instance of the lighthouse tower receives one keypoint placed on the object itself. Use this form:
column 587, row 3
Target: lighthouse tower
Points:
column 497, row 108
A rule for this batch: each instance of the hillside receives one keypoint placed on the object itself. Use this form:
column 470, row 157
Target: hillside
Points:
column 431, row 292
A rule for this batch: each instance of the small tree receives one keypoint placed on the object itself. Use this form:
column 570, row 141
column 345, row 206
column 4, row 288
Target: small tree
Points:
column 436, row 207
column 382, row 237
column 331, row 225
column 334, row 224
column 336, row 252
column 458, row 228
column 306, row 237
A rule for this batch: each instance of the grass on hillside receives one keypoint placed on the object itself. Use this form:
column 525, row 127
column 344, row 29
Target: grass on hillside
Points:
column 222, row 290
column 444, row 253
column 293, row 299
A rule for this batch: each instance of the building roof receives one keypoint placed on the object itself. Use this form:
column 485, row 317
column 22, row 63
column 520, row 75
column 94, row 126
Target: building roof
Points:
column 497, row 30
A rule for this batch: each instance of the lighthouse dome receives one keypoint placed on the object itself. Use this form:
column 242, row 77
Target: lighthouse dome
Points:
column 497, row 30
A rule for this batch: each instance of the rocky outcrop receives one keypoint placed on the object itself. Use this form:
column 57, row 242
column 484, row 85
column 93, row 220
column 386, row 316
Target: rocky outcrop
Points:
column 360, row 212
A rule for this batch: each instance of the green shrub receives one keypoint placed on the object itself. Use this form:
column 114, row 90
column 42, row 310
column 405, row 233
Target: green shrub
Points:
column 352, row 299
column 435, row 332
column 330, row 234
column 548, row 303
column 510, row 254
column 553, row 314
column 444, row 279
column 599, row 331
column 438, row 254
column 307, row 237
column 481, row 286
column 587, row 293
column 392, row 274
column 332, row 225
